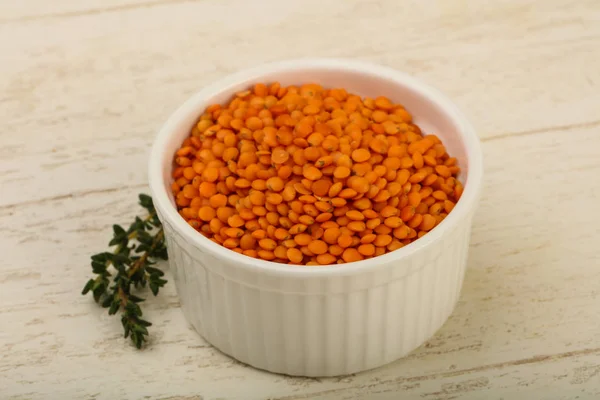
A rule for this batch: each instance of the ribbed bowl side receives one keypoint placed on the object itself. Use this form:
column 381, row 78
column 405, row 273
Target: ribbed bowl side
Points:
column 325, row 326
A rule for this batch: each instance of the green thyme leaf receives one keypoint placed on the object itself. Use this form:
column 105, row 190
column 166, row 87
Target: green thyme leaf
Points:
column 132, row 262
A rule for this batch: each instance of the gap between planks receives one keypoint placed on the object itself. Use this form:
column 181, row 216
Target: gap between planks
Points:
column 582, row 125
column 73, row 195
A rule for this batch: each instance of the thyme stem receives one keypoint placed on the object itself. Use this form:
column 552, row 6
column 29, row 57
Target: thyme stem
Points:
column 131, row 265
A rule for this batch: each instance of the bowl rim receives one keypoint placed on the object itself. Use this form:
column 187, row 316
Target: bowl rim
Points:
column 467, row 202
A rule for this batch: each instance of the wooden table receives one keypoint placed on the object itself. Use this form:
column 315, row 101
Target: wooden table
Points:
column 85, row 84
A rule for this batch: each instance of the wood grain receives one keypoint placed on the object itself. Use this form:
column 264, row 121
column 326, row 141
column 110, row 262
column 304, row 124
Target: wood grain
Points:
column 89, row 82
column 33, row 10
column 95, row 79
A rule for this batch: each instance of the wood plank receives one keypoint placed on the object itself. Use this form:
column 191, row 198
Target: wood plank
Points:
column 556, row 378
column 86, row 83
column 529, row 301
column 80, row 111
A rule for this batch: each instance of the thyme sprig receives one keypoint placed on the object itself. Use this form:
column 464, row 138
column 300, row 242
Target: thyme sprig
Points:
column 131, row 265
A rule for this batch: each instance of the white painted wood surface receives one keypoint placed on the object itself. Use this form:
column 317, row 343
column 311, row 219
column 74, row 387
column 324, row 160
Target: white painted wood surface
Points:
column 84, row 84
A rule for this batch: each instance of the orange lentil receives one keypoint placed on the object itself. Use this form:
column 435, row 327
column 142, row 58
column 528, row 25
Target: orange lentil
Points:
column 402, row 232
column 326, row 259
column 280, row 252
column 279, row 155
column 407, row 213
column 415, row 221
column 373, row 223
column 422, row 208
column 393, row 222
column 336, row 250
column 382, row 240
column 318, row 247
column 443, row 171
column 395, row 245
column 427, row 223
column 357, row 226
column 231, row 243
column 341, row 172
column 234, row 232
column 266, row 255
column 189, row 191
column 348, row 193
column 330, row 235
column 235, row 221
column 366, row 249
column 313, row 176
column 361, row 155
column 439, row 195
column 294, row 255
column 312, row 173
column 302, row 239
column 207, row 213
column 388, row 211
column 344, row 240
column 355, row 215
column 275, row 184
column 306, row 220
column 267, row 244
column 351, row 254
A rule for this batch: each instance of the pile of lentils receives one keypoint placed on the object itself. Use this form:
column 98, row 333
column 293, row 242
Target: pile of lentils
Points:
column 312, row 176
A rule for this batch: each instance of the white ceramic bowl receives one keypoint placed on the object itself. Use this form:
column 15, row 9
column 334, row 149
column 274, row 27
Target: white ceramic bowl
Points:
column 329, row 320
